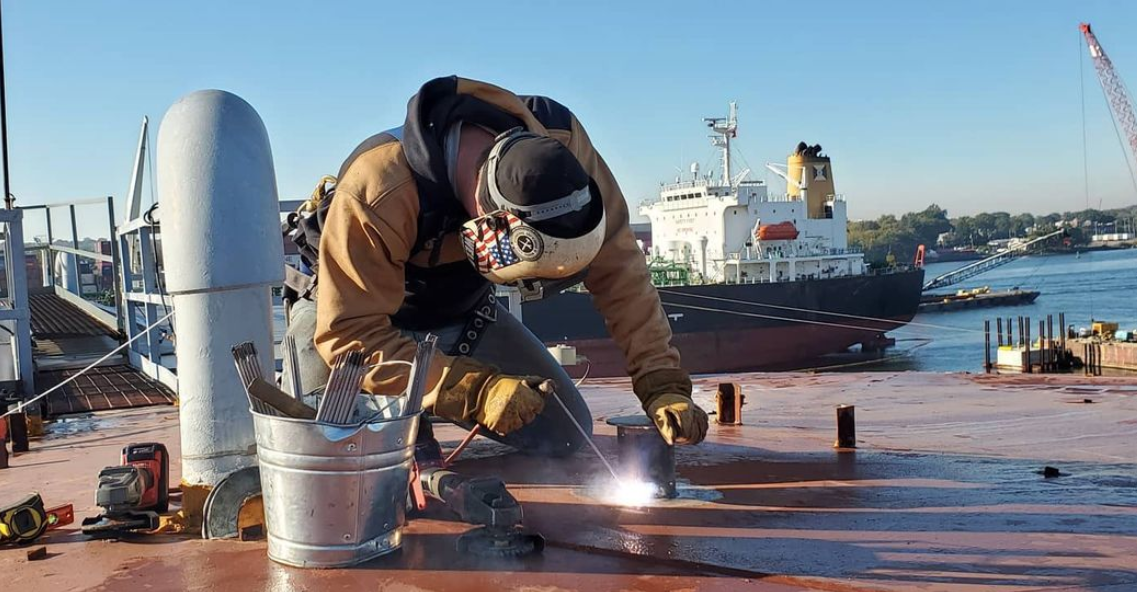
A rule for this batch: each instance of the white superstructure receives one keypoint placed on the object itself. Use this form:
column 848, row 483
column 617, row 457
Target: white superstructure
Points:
column 731, row 230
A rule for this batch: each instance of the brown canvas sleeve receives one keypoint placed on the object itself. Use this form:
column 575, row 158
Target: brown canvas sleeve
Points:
column 621, row 288
column 367, row 237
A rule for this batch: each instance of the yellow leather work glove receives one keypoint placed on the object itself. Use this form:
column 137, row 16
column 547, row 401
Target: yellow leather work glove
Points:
column 472, row 391
column 679, row 419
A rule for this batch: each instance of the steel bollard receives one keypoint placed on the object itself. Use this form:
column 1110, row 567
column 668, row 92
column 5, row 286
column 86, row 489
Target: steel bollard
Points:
column 846, row 427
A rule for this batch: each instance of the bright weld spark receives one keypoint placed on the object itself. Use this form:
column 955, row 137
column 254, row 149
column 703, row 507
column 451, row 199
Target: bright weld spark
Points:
column 628, row 493
column 634, row 494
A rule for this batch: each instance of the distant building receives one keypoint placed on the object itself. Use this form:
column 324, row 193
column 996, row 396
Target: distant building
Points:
column 1113, row 237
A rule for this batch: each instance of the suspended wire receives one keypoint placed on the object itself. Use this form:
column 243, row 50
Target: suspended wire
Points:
column 1124, row 151
column 150, row 159
column 814, row 311
column 148, row 216
column 24, row 404
column 1085, row 143
column 899, row 325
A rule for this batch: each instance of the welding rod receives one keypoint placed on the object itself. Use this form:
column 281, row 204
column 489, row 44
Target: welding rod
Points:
column 249, row 369
column 416, row 388
column 331, row 404
column 547, row 388
column 292, row 365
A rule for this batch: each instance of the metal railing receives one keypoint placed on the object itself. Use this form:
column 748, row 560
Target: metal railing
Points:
column 72, row 288
column 143, row 294
column 15, row 312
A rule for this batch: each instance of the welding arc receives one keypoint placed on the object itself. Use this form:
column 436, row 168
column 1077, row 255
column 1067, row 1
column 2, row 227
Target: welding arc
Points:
column 583, row 433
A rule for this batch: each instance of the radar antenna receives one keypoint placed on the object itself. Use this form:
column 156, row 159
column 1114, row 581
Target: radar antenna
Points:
column 725, row 129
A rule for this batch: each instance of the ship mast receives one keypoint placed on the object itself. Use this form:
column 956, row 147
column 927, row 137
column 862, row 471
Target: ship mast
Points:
column 724, row 128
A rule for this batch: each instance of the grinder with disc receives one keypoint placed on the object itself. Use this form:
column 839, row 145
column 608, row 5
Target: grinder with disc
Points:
column 484, row 501
column 133, row 494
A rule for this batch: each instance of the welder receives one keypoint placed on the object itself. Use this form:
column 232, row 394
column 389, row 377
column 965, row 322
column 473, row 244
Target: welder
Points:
column 481, row 187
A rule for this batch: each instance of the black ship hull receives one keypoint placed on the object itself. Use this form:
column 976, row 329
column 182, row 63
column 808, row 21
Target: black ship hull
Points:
column 743, row 327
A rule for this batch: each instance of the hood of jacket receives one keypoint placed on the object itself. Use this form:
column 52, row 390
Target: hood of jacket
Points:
column 437, row 105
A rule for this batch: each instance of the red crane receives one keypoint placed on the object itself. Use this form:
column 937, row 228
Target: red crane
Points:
column 1119, row 102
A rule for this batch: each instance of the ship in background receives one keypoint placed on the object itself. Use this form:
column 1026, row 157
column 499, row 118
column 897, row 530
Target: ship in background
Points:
column 749, row 280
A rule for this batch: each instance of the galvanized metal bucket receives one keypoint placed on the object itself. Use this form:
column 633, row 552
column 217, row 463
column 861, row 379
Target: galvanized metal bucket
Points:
column 334, row 495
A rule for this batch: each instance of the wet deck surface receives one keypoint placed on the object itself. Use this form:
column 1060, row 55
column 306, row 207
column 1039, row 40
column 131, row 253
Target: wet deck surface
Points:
column 943, row 493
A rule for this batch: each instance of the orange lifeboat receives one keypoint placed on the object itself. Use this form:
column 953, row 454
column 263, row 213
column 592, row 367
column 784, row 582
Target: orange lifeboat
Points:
column 779, row 231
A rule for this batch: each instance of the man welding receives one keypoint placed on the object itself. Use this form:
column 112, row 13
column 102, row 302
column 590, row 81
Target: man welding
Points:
column 481, row 187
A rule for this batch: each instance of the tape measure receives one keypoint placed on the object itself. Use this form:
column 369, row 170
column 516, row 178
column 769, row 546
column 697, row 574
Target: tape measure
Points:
column 24, row 521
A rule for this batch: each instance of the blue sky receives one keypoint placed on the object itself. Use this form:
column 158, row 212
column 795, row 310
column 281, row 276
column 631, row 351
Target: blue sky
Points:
column 972, row 105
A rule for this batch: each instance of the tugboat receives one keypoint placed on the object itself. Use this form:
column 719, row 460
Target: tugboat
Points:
column 749, row 280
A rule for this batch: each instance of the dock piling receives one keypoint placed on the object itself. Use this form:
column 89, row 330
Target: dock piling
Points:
column 987, row 345
column 999, row 329
column 1025, row 337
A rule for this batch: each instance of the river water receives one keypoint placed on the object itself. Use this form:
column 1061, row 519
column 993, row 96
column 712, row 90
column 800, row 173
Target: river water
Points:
column 1099, row 285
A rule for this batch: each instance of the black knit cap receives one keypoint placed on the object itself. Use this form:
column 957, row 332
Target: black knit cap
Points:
column 533, row 170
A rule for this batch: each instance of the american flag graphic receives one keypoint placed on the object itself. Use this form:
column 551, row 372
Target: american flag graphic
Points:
column 490, row 244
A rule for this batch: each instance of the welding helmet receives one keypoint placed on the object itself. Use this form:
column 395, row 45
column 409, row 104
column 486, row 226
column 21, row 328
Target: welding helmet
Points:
column 544, row 218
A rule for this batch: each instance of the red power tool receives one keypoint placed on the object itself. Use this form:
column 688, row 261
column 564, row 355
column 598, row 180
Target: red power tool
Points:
column 133, row 493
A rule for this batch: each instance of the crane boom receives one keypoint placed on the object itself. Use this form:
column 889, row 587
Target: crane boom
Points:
column 1119, row 101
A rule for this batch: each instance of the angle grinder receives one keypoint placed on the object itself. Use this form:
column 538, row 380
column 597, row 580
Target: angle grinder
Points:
column 133, row 493
column 484, row 501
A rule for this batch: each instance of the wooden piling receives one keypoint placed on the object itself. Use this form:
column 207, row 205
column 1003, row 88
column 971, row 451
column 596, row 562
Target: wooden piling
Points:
column 1042, row 349
column 999, row 329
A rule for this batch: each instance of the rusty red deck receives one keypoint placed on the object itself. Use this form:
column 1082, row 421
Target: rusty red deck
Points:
column 54, row 317
column 102, row 388
column 944, row 492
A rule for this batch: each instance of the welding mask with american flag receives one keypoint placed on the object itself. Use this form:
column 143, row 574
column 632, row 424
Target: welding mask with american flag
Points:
column 506, row 250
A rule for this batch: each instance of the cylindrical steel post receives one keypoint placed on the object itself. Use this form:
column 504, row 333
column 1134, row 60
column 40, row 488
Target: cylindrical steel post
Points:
column 999, row 329
column 1062, row 324
column 846, row 427
column 1021, row 332
column 223, row 253
column 644, row 455
column 18, row 431
column 1042, row 349
column 728, row 404
column 3, row 443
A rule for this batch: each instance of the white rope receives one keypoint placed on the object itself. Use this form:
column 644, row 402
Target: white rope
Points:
column 20, row 406
column 389, row 363
column 777, row 318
